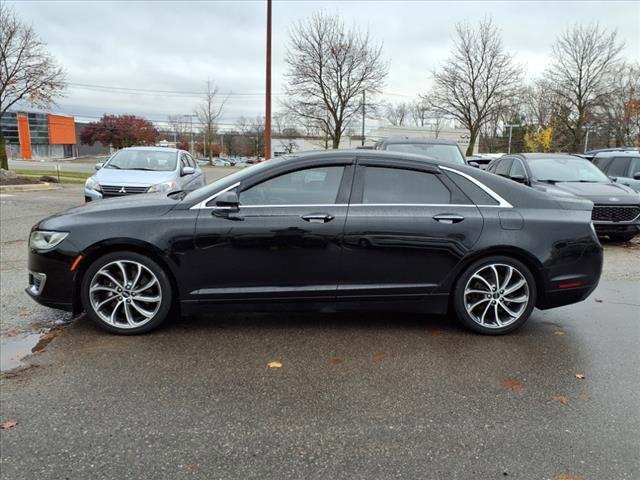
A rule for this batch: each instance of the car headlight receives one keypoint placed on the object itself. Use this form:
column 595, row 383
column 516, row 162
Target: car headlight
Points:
column 92, row 184
column 163, row 187
column 43, row 240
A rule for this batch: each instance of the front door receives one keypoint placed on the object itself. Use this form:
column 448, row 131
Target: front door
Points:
column 407, row 228
column 284, row 242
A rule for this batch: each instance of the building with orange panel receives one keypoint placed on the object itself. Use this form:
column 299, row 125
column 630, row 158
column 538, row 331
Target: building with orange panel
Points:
column 36, row 135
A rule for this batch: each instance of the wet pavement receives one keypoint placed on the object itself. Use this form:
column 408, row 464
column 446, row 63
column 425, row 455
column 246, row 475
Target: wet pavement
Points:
column 358, row 395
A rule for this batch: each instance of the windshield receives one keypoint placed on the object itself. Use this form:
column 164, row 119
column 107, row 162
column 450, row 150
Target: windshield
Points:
column 154, row 160
column 445, row 153
column 569, row 169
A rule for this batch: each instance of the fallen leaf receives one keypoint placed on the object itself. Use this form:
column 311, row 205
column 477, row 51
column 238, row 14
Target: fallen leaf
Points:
column 558, row 332
column 599, row 300
column 378, row 357
column 8, row 424
column 584, row 396
column 274, row 365
column 511, row 384
column 435, row 333
column 194, row 467
column 335, row 360
column 23, row 314
column 568, row 476
column 11, row 333
column 580, row 376
column 560, row 398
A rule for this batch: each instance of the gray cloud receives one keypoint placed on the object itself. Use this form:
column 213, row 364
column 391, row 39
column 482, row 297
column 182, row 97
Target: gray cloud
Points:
column 177, row 46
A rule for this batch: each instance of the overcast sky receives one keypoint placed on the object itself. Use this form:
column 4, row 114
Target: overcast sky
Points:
column 177, row 46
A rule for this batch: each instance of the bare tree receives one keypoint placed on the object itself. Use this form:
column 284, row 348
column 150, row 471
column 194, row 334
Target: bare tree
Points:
column 208, row 112
column 329, row 68
column 179, row 127
column 617, row 116
column 397, row 114
column 419, row 112
column 584, row 58
column 539, row 103
column 477, row 79
column 27, row 71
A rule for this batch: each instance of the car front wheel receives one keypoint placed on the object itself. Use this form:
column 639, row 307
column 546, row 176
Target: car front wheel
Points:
column 495, row 295
column 126, row 293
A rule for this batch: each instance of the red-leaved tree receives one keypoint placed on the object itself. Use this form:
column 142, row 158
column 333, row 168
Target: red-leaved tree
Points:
column 120, row 131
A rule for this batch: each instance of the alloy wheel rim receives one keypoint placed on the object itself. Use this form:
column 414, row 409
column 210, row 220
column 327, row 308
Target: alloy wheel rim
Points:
column 496, row 295
column 125, row 294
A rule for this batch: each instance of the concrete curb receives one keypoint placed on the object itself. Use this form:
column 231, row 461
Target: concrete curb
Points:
column 29, row 188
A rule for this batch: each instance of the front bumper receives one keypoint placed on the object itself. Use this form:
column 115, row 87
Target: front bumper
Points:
column 58, row 288
column 90, row 195
column 608, row 228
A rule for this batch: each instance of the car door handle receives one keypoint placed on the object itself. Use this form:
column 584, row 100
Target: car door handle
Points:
column 448, row 218
column 318, row 217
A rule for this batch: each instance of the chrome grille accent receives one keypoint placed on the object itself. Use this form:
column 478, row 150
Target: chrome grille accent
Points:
column 615, row 213
column 120, row 190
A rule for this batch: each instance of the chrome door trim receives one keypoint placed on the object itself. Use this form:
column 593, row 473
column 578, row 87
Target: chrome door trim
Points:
column 203, row 203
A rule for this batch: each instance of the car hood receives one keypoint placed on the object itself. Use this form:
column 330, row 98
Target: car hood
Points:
column 607, row 193
column 112, row 176
column 130, row 207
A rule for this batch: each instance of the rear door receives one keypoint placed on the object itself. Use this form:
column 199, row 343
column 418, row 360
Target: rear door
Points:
column 407, row 227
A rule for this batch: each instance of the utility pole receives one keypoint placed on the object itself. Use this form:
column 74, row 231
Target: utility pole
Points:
column 267, row 126
column 363, row 113
column 191, row 129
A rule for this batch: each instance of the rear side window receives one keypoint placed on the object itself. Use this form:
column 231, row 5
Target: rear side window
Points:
column 471, row 190
column 619, row 167
column 635, row 167
column 400, row 186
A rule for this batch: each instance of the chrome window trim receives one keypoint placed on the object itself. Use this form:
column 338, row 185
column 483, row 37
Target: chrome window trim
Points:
column 502, row 203
column 203, row 203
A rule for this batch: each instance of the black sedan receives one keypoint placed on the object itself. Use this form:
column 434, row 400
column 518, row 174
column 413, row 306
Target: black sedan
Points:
column 346, row 228
column 617, row 207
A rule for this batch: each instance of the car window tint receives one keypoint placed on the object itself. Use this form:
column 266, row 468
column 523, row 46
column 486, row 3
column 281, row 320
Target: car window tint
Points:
column 517, row 169
column 504, row 167
column 473, row 191
column 190, row 161
column 602, row 163
column 635, row 167
column 312, row 186
column 619, row 167
column 394, row 185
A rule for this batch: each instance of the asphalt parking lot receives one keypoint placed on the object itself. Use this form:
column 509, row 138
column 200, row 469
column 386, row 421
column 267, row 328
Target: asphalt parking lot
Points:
column 357, row 396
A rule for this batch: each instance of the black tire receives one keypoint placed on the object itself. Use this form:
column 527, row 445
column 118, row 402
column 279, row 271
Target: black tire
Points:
column 621, row 237
column 161, row 309
column 503, row 262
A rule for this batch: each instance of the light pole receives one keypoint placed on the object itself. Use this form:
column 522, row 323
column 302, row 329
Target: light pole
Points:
column 510, row 135
column 586, row 139
column 363, row 112
column 191, row 128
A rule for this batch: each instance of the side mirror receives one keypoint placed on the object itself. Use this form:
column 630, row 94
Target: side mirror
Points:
column 226, row 203
column 518, row 178
column 474, row 164
column 99, row 165
column 188, row 171
column 636, row 176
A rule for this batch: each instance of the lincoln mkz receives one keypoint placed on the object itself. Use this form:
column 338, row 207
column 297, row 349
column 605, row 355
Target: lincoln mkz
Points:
column 343, row 229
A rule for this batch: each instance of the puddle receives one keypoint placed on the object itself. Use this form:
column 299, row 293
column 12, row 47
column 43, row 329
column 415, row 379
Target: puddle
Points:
column 14, row 349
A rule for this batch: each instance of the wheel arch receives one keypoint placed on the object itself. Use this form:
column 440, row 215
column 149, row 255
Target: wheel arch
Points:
column 529, row 260
column 105, row 247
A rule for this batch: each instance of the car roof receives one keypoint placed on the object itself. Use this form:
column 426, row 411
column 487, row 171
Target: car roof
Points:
column 424, row 141
column 321, row 154
column 156, row 149
column 537, row 156
column 618, row 153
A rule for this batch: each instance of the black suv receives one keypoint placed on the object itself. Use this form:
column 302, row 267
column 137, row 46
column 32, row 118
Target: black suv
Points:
column 616, row 211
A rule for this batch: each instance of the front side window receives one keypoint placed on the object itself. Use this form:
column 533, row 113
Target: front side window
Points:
column 399, row 186
column 153, row 160
column 517, row 169
column 504, row 167
column 312, row 186
column 619, row 167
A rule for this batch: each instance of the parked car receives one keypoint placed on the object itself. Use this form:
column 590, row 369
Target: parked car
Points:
column 590, row 155
column 442, row 150
column 138, row 170
column 219, row 162
column 481, row 161
column 352, row 229
column 617, row 207
column 622, row 166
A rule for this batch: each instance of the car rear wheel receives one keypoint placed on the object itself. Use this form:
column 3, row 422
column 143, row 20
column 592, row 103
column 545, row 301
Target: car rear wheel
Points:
column 495, row 295
column 126, row 293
